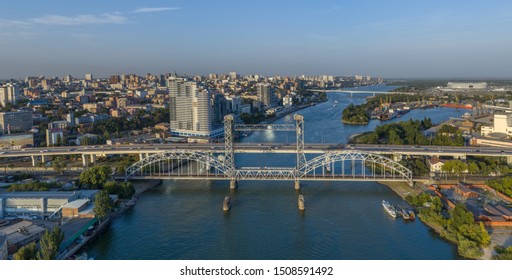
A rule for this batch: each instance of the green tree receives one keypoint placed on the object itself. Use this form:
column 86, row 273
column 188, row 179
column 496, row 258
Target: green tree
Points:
column 27, row 252
column 503, row 253
column 59, row 165
column 95, row 176
column 473, row 168
column 102, row 205
column 50, row 243
column 59, row 140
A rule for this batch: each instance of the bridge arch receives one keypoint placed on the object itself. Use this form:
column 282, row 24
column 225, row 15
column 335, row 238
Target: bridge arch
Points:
column 388, row 168
column 171, row 162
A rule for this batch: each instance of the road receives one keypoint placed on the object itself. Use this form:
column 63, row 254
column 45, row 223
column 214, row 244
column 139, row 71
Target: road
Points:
column 257, row 148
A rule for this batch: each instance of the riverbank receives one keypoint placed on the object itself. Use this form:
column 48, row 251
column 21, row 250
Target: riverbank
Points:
column 140, row 187
column 293, row 110
column 354, row 123
column 403, row 189
column 499, row 236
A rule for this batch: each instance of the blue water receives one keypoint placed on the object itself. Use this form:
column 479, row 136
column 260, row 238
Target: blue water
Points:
column 343, row 220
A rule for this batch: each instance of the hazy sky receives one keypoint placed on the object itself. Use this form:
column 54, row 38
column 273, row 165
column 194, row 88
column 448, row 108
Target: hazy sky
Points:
column 379, row 38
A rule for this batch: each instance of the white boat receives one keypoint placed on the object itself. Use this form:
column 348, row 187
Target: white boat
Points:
column 389, row 208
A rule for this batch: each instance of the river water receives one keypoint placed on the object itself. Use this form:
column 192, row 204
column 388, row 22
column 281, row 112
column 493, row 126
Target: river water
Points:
column 343, row 220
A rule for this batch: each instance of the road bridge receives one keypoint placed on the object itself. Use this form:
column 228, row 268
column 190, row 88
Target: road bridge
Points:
column 373, row 93
column 327, row 161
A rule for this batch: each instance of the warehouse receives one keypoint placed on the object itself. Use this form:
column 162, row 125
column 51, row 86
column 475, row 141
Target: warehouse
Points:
column 31, row 205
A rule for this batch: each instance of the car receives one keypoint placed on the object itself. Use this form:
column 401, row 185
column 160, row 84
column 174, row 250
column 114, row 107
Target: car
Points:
column 502, row 152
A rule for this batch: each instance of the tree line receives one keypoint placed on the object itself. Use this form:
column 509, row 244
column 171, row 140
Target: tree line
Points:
column 459, row 227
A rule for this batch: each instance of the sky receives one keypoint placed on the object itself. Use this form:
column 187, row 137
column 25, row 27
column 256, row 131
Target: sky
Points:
column 390, row 39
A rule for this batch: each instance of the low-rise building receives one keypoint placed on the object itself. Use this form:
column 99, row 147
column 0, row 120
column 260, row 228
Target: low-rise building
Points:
column 3, row 247
column 80, row 208
column 21, row 234
column 55, row 137
column 435, row 165
column 15, row 121
column 40, row 204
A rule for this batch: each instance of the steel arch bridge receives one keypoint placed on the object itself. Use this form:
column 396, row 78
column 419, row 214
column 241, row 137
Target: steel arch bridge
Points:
column 370, row 166
column 351, row 165
column 178, row 163
column 347, row 165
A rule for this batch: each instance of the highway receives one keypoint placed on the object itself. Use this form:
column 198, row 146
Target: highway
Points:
column 256, row 148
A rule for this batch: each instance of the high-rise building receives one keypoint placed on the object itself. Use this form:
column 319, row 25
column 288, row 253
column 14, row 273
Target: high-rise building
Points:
column 8, row 94
column 219, row 107
column 191, row 110
column 15, row 121
column 67, row 79
column 266, row 94
column 70, row 118
column 233, row 76
column 114, row 79
column 88, row 77
column 234, row 104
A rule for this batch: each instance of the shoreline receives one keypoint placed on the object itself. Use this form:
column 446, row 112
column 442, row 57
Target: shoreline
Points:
column 293, row 110
column 402, row 189
column 140, row 187
column 354, row 123
column 499, row 237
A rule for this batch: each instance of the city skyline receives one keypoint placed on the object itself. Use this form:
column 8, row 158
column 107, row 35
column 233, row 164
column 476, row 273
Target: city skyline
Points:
column 396, row 39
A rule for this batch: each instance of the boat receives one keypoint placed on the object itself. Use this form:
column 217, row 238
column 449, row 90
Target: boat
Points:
column 334, row 105
column 412, row 216
column 389, row 208
column 226, row 205
column 300, row 202
column 82, row 257
column 405, row 215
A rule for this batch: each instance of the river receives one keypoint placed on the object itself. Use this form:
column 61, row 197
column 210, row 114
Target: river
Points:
column 343, row 220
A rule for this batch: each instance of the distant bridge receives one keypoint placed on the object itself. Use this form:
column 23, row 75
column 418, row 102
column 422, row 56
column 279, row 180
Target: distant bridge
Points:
column 362, row 91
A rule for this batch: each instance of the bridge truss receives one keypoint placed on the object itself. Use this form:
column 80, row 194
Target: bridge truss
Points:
column 348, row 165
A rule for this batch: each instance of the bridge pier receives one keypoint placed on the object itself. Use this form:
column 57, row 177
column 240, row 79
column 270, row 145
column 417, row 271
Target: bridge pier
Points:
column 397, row 158
column 43, row 159
column 233, row 184
column 84, row 160
column 141, row 156
column 93, row 159
column 460, row 157
column 297, row 184
column 34, row 160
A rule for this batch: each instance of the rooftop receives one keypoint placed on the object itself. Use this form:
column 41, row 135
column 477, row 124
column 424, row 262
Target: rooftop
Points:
column 48, row 194
column 21, row 231
column 76, row 203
